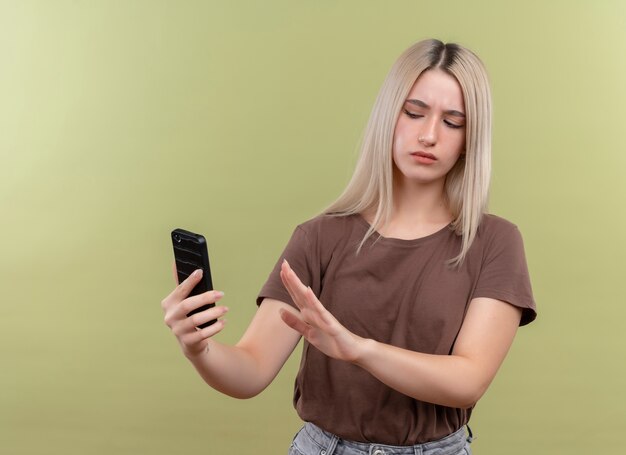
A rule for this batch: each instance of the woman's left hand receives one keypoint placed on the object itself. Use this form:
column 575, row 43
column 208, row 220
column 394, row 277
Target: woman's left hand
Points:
column 315, row 323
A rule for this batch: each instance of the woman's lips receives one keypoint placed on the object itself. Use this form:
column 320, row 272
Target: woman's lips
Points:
column 423, row 157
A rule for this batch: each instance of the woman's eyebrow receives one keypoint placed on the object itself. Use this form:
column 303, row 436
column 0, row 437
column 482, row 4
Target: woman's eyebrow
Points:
column 420, row 103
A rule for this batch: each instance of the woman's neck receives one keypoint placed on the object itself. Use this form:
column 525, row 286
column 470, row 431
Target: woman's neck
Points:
column 418, row 203
column 418, row 211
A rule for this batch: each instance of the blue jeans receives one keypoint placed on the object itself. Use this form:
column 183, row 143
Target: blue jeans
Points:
column 312, row 440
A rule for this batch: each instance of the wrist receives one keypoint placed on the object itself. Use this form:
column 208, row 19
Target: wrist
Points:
column 196, row 354
column 364, row 348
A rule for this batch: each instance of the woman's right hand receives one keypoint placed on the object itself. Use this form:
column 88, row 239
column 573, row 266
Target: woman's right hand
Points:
column 177, row 305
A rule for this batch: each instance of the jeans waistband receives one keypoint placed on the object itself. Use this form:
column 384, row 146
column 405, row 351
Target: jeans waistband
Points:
column 331, row 444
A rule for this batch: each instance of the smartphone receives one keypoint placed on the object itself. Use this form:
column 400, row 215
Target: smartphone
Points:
column 191, row 254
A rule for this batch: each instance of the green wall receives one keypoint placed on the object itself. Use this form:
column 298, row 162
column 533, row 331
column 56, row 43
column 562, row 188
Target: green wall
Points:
column 120, row 120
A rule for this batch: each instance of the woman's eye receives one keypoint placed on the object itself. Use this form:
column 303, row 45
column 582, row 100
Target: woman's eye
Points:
column 452, row 125
column 412, row 115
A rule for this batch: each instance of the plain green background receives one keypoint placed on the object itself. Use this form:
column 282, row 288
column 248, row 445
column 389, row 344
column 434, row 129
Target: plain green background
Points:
column 121, row 120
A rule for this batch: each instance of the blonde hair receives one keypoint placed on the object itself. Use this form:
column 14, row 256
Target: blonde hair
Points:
column 467, row 183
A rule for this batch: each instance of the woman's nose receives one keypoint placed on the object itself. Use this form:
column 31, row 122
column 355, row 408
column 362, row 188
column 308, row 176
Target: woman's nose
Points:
column 426, row 140
column 428, row 135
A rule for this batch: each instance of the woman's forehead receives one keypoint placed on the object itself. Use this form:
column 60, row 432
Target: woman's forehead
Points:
column 436, row 88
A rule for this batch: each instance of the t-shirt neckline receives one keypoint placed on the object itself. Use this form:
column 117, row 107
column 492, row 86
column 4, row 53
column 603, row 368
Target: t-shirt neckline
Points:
column 378, row 237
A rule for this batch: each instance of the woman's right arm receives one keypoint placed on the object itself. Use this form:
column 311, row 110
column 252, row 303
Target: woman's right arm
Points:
column 243, row 370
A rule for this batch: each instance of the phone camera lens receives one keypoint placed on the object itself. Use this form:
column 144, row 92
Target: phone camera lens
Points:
column 177, row 238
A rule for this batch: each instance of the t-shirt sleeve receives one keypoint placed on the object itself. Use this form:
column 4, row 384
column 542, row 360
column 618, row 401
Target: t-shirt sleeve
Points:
column 504, row 273
column 301, row 254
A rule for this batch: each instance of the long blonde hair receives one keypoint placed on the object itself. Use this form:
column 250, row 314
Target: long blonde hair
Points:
column 467, row 183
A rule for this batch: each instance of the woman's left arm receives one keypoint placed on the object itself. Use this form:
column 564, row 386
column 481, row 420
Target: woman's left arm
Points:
column 457, row 380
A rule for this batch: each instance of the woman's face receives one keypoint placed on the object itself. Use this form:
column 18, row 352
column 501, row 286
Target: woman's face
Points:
column 429, row 136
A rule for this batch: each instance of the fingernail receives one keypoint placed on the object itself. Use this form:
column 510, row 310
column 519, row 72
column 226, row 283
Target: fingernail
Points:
column 219, row 294
column 285, row 261
column 197, row 272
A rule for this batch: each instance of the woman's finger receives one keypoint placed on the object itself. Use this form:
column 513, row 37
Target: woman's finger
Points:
column 286, row 282
column 193, row 338
column 304, row 297
column 190, row 323
column 192, row 303
column 202, row 317
column 294, row 322
column 319, row 309
column 291, row 286
column 294, row 286
column 181, row 291
column 211, row 330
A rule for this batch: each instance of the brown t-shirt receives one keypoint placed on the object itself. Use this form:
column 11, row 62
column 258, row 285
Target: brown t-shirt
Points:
column 399, row 292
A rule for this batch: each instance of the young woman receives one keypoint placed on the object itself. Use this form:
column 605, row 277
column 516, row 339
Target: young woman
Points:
column 407, row 292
